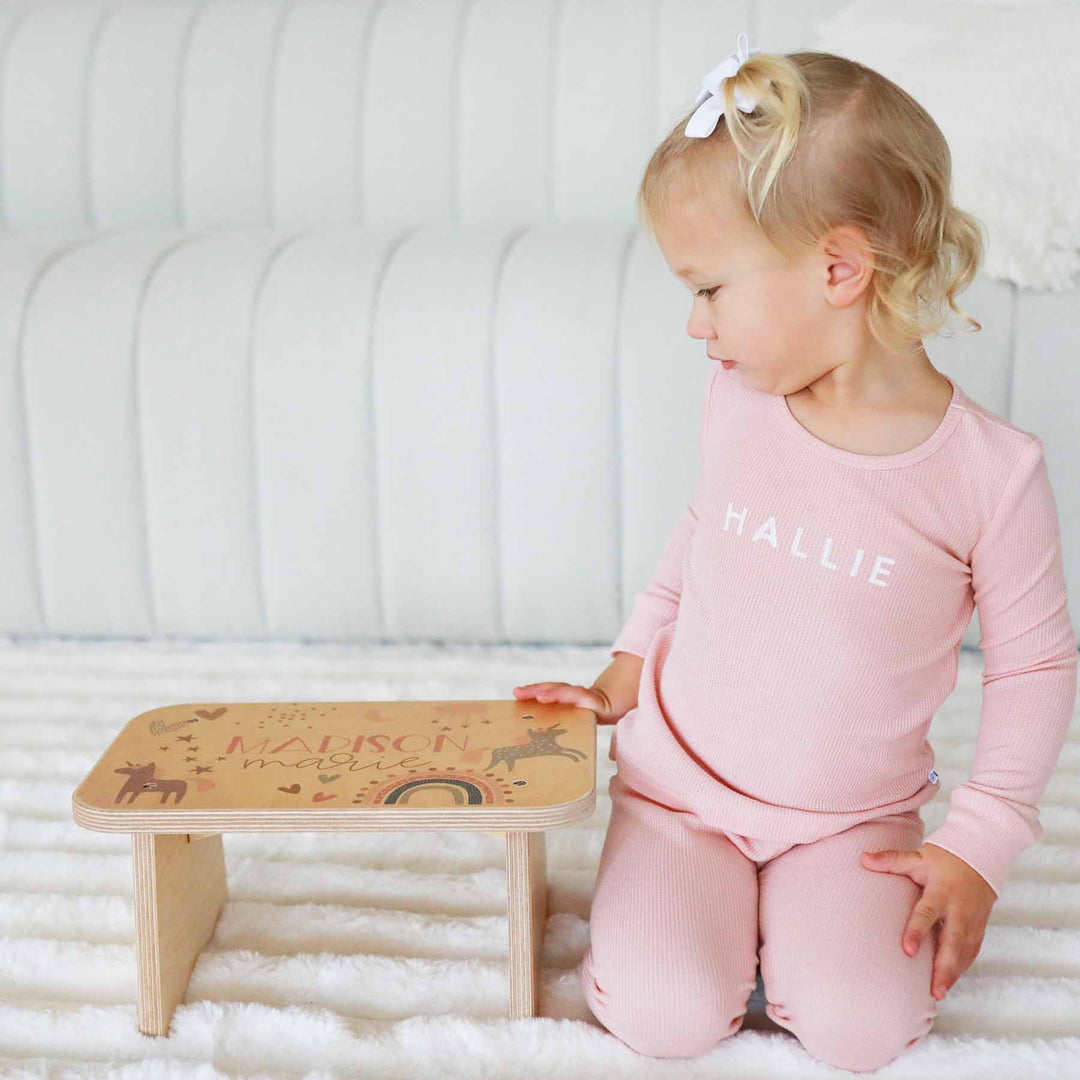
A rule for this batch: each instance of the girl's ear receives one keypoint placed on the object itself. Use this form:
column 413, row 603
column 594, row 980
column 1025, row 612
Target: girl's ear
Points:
column 848, row 264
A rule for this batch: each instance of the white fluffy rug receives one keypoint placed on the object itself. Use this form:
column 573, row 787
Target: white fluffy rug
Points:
column 384, row 954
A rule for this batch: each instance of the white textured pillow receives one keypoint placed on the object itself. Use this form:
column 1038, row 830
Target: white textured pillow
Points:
column 1002, row 85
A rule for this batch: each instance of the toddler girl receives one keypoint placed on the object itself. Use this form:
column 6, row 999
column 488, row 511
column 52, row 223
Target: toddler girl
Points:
column 776, row 680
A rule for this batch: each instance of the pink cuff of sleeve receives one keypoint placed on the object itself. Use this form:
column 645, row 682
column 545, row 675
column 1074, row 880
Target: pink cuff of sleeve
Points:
column 987, row 832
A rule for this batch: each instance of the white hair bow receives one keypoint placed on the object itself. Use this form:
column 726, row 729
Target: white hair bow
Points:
column 710, row 102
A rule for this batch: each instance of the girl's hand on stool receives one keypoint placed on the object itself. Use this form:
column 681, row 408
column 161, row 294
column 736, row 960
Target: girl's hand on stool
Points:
column 571, row 694
column 953, row 891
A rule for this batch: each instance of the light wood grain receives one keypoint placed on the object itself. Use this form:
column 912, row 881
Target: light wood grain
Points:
column 179, row 892
column 526, row 881
column 304, row 766
column 179, row 776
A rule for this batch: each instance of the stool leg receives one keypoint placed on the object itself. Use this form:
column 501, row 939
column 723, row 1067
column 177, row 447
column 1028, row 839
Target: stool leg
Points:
column 179, row 892
column 526, row 885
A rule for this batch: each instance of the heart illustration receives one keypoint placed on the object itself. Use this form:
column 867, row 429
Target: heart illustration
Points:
column 326, row 779
column 294, row 789
column 204, row 784
column 321, row 796
column 207, row 715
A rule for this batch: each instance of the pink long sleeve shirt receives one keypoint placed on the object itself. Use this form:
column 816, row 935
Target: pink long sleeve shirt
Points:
column 804, row 621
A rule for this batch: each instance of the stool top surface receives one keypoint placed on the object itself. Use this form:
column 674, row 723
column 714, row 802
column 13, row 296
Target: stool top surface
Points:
column 338, row 764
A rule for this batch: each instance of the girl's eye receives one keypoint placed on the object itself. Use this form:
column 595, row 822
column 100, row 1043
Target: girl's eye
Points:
column 708, row 293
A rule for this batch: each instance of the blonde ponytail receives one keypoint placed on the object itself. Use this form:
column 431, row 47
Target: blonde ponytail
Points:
column 833, row 142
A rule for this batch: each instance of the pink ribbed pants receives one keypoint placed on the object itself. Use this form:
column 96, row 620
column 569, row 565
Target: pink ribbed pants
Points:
column 682, row 914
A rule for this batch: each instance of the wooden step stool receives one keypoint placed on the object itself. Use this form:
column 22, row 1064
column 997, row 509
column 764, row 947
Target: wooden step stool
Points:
column 179, row 776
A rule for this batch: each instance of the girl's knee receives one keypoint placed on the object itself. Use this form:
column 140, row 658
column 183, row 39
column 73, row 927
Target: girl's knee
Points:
column 667, row 1035
column 863, row 1055
column 849, row 1039
column 675, row 1042
column 658, row 1022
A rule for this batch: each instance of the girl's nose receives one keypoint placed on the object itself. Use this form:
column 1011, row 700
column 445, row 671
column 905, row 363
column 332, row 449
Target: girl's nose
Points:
column 700, row 328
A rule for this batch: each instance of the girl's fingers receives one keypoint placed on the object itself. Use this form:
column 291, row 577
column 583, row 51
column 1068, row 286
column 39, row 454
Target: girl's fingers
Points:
column 552, row 691
column 562, row 693
column 556, row 692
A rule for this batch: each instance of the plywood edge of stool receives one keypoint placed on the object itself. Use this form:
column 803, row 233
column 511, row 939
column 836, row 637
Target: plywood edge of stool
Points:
column 266, row 819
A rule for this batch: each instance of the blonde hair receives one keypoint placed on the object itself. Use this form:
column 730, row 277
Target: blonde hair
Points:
column 832, row 142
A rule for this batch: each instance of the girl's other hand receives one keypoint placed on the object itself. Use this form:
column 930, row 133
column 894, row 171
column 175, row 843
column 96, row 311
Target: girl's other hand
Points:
column 570, row 694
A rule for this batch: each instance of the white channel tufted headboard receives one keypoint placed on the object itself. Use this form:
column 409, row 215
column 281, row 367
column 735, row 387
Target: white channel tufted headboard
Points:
column 331, row 320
